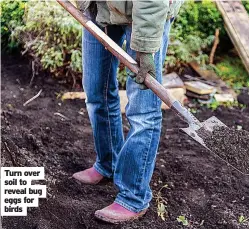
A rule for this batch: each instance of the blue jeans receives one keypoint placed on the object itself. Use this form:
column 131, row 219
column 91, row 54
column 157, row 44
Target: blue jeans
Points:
column 129, row 161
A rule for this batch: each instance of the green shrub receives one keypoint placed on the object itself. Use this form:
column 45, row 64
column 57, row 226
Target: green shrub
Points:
column 199, row 19
column 191, row 49
column 192, row 33
column 52, row 38
column 11, row 16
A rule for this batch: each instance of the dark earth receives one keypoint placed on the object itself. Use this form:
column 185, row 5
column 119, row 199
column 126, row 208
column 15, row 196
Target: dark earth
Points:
column 231, row 145
column 199, row 186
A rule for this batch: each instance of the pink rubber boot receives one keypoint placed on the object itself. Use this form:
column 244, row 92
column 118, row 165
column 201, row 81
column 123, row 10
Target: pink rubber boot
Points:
column 88, row 176
column 115, row 213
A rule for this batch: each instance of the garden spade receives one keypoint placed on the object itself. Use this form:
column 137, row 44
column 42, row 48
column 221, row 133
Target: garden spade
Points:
column 194, row 124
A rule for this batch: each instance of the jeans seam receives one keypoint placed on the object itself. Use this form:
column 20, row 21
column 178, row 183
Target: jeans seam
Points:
column 107, row 108
column 121, row 175
column 119, row 201
column 101, row 171
column 146, row 158
column 125, row 205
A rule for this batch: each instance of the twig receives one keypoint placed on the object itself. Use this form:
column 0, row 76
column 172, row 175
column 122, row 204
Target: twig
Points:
column 11, row 155
column 57, row 217
column 216, row 42
column 61, row 115
column 29, row 44
column 74, row 80
column 33, row 72
column 33, row 98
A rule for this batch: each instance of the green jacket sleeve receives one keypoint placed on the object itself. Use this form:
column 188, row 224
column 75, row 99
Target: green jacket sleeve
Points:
column 148, row 20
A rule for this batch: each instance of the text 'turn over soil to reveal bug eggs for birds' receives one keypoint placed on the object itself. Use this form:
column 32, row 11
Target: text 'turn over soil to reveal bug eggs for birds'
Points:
column 17, row 192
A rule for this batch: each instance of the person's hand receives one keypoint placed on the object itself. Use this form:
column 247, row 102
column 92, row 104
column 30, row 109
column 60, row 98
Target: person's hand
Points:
column 146, row 65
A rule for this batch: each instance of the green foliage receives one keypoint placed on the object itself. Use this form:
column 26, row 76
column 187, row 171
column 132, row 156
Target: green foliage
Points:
column 11, row 16
column 183, row 220
column 232, row 71
column 192, row 48
column 199, row 19
column 161, row 203
column 242, row 219
column 193, row 32
column 52, row 38
column 246, row 5
column 215, row 104
column 122, row 76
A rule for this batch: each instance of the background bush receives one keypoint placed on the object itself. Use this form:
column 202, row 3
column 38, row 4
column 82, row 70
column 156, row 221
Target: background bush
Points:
column 52, row 38
column 198, row 19
column 11, row 16
column 193, row 32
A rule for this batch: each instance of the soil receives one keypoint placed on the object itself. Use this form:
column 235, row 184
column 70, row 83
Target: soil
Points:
column 231, row 145
column 243, row 98
column 200, row 187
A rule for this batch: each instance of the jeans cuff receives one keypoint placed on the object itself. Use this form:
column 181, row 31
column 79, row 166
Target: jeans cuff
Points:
column 121, row 202
column 102, row 171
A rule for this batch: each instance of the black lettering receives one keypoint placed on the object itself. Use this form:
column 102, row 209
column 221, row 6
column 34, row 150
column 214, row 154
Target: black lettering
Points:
column 13, row 173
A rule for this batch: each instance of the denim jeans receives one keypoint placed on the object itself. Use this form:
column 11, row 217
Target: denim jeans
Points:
column 130, row 161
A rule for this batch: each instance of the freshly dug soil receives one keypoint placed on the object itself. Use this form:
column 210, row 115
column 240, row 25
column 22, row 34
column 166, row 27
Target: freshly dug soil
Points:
column 200, row 187
column 231, row 145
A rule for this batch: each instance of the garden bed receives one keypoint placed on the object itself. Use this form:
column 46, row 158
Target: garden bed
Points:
column 199, row 186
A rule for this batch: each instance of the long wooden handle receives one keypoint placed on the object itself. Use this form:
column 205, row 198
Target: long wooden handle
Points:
column 129, row 62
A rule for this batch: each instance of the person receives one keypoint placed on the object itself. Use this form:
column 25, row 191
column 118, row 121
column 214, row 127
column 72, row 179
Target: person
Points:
column 129, row 161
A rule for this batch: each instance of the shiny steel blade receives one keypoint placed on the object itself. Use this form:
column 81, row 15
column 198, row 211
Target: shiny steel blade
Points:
column 209, row 125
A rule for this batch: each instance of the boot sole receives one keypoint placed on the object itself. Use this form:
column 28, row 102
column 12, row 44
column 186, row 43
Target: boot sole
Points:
column 80, row 182
column 119, row 221
column 104, row 180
